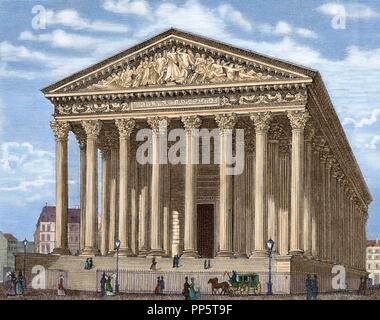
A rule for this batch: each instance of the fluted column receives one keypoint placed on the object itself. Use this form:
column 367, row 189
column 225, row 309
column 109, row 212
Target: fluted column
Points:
column 191, row 123
column 159, row 126
column 328, row 211
column 125, row 127
column 143, row 210
column 61, row 130
column 316, row 191
column 114, row 192
column 226, row 123
column 323, row 170
column 105, row 197
column 261, row 122
column 284, row 180
column 298, row 121
column 307, row 238
column 275, row 132
column 92, row 129
column 81, row 137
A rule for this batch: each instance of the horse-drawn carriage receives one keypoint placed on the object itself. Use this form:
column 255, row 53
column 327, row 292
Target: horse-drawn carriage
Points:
column 238, row 284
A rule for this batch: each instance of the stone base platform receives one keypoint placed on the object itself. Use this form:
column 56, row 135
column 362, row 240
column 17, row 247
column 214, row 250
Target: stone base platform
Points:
column 288, row 272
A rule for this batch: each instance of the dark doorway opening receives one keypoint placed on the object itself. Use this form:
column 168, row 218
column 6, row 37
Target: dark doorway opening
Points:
column 205, row 227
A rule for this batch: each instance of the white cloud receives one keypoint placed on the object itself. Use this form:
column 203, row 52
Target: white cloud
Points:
column 25, row 171
column 372, row 119
column 62, row 39
column 137, row 7
column 350, row 10
column 375, row 142
column 284, row 28
column 229, row 13
column 72, row 19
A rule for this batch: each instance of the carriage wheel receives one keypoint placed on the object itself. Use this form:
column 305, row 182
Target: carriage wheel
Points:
column 231, row 292
column 244, row 289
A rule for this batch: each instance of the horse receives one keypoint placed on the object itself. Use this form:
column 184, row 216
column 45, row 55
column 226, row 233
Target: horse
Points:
column 215, row 286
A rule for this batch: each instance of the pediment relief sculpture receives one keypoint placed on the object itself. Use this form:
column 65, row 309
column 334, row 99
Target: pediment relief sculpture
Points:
column 179, row 65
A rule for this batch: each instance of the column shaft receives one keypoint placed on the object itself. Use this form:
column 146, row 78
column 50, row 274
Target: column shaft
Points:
column 105, row 218
column 92, row 129
column 298, row 121
column 61, row 130
column 261, row 122
column 112, row 233
column 225, row 123
column 190, row 232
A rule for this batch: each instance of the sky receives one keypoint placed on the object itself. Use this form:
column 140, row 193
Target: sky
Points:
column 44, row 41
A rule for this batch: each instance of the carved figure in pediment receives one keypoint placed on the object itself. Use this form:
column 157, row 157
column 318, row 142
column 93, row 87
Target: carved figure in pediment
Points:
column 138, row 74
column 216, row 72
column 173, row 73
column 160, row 66
column 200, row 71
column 126, row 77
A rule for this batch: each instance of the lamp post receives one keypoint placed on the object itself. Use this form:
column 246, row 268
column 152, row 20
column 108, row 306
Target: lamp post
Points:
column 25, row 243
column 270, row 244
column 117, row 247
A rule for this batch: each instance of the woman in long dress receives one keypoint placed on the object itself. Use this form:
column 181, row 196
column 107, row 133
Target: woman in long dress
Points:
column 194, row 290
column 20, row 284
column 11, row 284
column 109, row 289
column 61, row 288
column 172, row 72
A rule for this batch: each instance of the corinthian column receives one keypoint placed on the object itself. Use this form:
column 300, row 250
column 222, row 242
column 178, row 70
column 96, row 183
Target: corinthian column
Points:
column 61, row 130
column 105, row 200
column 298, row 121
column 81, row 137
column 261, row 122
column 190, row 235
column 158, row 126
column 92, row 129
column 113, row 140
column 226, row 123
column 125, row 127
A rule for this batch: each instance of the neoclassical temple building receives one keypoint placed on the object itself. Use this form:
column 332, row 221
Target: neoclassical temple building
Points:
column 300, row 184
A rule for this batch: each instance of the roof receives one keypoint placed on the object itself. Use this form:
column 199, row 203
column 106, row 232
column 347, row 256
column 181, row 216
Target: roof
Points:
column 48, row 215
column 9, row 237
column 373, row 243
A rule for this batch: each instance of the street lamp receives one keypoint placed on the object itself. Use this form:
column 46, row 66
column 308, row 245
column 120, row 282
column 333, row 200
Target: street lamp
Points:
column 270, row 244
column 25, row 243
column 117, row 247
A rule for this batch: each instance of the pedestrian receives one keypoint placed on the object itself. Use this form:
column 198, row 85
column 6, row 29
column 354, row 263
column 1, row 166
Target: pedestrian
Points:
column 87, row 264
column 11, row 284
column 208, row 263
column 20, row 284
column 103, row 285
column 194, row 291
column 162, row 285
column 90, row 264
column 61, row 289
column 177, row 257
column 315, row 285
column 205, row 264
column 309, row 287
column 153, row 266
column 175, row 261
column 157, row 287
column 186, row 289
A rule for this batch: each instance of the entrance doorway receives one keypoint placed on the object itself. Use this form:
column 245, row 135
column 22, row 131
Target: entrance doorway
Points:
column 205, row 230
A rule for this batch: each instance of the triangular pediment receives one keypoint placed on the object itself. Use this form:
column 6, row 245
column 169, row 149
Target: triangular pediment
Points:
column 178, row 59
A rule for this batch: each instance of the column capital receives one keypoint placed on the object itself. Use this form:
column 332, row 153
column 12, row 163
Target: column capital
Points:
column 298, row 119
column 125, row 126
column 61, row 129
column 261, row 120
column 191, row 122
column 92, row 128
column 158, row 124
column 226, row 121
column 80, row 135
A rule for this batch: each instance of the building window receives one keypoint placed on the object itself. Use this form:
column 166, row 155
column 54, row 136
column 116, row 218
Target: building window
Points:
column 48, row 227
column 42, row 237
column 48, row 237
column 43, row 227
column 47, row 248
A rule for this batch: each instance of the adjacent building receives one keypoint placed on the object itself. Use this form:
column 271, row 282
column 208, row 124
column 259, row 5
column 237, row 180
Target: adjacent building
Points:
column 44, row 236
column 373, row 260
column 9, row 246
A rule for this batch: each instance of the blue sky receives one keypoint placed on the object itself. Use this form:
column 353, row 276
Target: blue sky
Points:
column 339, row 38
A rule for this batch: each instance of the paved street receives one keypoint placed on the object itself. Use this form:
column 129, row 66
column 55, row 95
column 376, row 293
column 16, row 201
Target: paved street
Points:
column 81, row 295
